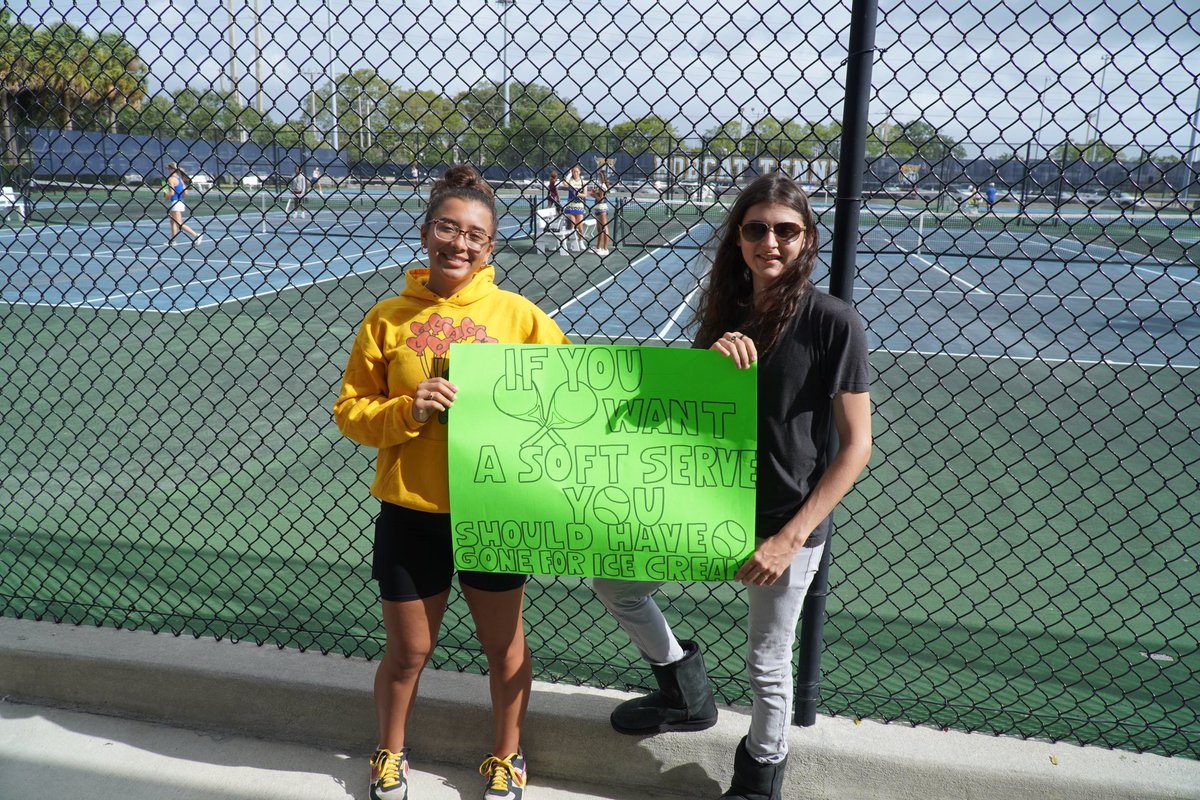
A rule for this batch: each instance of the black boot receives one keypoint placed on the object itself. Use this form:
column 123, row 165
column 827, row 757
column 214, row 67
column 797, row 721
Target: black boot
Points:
column 683, row 702
column 753, row 780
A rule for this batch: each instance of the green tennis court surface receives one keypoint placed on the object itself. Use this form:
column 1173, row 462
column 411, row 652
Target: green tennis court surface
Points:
column 181, row 472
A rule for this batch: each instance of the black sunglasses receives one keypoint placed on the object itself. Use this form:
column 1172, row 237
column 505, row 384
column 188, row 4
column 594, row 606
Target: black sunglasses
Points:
column 757, row 231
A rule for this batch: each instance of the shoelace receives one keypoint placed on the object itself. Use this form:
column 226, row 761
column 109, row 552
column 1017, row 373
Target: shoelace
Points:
column 501, row 770
column 388, row 764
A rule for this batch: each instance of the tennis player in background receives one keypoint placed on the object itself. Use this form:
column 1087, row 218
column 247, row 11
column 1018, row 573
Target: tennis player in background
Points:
column 176, row 188
column 299, row 187
column 576, row 209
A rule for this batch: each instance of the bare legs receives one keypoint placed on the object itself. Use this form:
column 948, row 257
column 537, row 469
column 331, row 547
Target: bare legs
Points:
column 577, row 221
column 177, row 225
column 501, row 631
column 602, row 240
column 412, row 630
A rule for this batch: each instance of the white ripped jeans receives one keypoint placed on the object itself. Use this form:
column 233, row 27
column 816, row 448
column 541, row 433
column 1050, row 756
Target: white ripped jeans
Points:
column 774, row 612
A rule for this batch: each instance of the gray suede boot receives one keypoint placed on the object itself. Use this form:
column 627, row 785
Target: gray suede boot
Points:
column 683, row 702
column 753, row 780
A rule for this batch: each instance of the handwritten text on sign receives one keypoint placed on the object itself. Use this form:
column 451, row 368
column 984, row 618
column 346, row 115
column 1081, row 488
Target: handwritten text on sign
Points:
column 629, row 462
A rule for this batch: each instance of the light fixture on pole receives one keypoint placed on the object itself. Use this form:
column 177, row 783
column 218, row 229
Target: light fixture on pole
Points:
column 1189, row 158
column 312, row 103
column 258, row 97
column 1037, row 134
column 504, row 6
column 1103, row 99
column 233, row 79
column 242, row 133
column 333, row 90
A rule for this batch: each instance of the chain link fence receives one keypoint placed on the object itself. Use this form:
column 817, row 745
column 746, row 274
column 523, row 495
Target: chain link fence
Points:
column 1021, row 556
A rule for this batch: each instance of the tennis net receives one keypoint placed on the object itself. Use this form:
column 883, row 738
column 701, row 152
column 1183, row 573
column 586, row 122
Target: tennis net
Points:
column 71, row 201
column 1129, row 238
column 76, row 203
column 394, row 213
column 370, row 213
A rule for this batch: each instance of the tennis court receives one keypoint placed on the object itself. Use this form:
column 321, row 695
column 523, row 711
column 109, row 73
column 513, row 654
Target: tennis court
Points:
column 976, row 288
column 108, row 247
column 964, row 345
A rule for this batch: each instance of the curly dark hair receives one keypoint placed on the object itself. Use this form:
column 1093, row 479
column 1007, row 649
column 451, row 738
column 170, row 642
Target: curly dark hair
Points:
column 464, row 182
column 727, row 301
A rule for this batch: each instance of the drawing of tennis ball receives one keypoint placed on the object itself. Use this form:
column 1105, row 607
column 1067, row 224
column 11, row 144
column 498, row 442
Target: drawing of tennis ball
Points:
column 611, row 506
column 728, row 539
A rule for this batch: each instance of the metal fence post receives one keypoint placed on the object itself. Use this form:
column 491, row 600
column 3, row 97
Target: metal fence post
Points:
column 851, row 164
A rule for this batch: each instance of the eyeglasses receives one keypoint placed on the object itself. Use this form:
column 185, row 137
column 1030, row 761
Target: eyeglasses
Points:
column 757, row 231
column 445, row 230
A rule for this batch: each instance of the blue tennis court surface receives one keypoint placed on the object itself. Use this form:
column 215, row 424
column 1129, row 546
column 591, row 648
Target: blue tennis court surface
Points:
column 132, row 266
column 1088, row 307
column 988, row 307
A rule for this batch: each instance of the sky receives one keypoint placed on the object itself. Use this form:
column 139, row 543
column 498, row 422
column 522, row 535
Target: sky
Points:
column 999, row 74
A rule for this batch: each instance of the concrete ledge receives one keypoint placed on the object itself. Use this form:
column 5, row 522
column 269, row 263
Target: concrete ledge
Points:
column 305, row 697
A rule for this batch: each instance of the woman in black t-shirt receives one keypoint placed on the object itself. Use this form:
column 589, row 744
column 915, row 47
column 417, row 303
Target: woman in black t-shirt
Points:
column 760, row 305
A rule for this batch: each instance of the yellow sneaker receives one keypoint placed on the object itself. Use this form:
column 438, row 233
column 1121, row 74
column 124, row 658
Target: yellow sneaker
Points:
column 505, row 777
column 389, row 775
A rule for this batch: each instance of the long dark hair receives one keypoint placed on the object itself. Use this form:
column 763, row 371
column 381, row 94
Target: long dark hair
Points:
column 727, row 301
column 183, row 176
column 464, row 182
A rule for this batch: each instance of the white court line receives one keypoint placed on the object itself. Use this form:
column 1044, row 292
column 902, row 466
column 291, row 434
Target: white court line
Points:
column 1086, row 362
column 205, row 260
column 870, row 290
column 219, row 279
column 948, row 274
column 143, row 247
column 674, row 318
column 613, row 277
column 272, row 267
column 40, row 253
column 273, row 290
column 267, row 263
column 253, row 233
column 925, row 353
column 156, row 222
column 1055, row 244
column 68, row 304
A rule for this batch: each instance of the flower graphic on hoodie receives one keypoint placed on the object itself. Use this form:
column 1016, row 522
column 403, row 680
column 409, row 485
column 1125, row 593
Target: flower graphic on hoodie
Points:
column 432, row 339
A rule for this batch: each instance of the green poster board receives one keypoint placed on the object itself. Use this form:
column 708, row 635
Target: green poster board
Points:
column 620, row 462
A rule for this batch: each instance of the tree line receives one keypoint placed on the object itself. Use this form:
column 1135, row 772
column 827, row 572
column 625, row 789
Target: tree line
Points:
column 59, row 75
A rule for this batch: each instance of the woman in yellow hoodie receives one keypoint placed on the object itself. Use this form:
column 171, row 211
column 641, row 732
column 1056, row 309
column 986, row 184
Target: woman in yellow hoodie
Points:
column 395, row 396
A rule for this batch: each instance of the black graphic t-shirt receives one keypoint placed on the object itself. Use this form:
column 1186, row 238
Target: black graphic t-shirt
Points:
column 823, row 352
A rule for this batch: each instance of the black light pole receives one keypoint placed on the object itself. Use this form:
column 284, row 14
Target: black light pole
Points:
column 851, row 165
column 1062, row 174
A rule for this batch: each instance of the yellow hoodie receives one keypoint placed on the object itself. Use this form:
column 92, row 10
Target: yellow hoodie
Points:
column 402, row 342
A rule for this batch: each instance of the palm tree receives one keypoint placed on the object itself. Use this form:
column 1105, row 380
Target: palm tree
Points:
column 63, row 55
column 120, row 78
column 17, row 77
